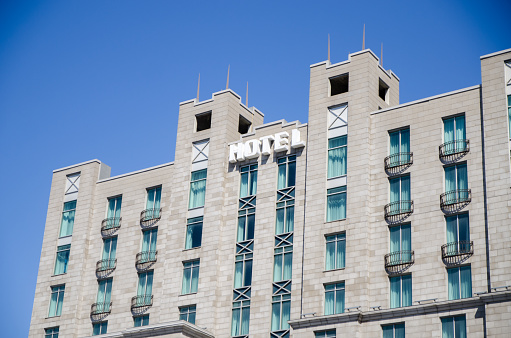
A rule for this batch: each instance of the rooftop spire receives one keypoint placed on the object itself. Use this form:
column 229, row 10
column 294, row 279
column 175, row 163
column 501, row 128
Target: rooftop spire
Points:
column 328, row 47
column 198, row 87
column 228, row 69
column 381, row 55
column 246, row 103
column 364, row 38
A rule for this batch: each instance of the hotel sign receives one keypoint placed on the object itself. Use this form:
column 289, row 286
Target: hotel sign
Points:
column 254, row 148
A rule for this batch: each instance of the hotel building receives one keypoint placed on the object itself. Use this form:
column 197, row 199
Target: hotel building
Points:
column 374, row 219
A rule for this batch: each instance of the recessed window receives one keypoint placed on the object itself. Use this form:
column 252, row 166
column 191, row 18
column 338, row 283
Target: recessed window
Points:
column 141, row 320
column 339, row 84
column 203, row 121
column 383, row 90
column 244, row 125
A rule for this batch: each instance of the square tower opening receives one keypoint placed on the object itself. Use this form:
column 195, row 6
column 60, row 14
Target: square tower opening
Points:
column 244, row 125
column 383, row 90
column 339, row 84
column 203, row 121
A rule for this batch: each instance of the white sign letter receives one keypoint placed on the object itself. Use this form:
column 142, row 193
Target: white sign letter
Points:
column 281, row 142
column 266, row 144
column 252, row 149
column 295, row 139
column 236, row 152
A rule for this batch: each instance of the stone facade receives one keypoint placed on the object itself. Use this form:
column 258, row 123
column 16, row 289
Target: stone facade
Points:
column 370, row 109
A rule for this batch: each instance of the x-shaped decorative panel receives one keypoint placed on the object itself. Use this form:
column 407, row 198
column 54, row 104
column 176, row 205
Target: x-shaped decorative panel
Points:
column 200, row 151
column 337, row 116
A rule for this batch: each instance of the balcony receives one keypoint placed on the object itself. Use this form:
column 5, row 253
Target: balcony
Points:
column 149, row 218
column 457, row 252
column 99, row 311
column 105, row 267
column 398, row 163
column 453, row 150
column 455, row 200
column 397, row 212
column 399, row 261
column 140, row 304
column 109, row 226
column 145, row 260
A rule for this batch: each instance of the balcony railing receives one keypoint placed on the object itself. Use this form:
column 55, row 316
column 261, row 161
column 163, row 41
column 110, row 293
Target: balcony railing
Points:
column 455, row 200
column 145, row 259
column 453, row 149
column 394, row 161
column 104, row 267
column 143, row 301
column 98, row 311
column 399, row 261
column 149, row 217
column 109, row 226
column 457, row 252
column 396, row 212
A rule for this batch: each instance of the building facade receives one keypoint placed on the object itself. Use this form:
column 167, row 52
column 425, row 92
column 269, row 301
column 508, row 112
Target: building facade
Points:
column 374, row 219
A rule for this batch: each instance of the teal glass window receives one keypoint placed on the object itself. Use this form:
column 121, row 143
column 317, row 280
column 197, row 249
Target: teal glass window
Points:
column 62, row 259
column 99, row 328
column 141, row 320
column 104, row 295
column 335, row 251
column 287, row 172
column 337, row 153
column 56, row 300
column 194, row 232
column 240, row 318
column 109, row 252
column 400, row 199
column 458, row 234
column 336, row 204
column 399, row 147
column 394, row 330
column 454, row 135
column 188, row 313
column 454, row 327
column 246, row 221
column 459, row 282
column 198, row 189
column 509, row 113
column 248, row 185
column 334, row 298
column 400, row 291
column 400, row 244
column 280, row 312
column 243, row 270
column 114, row 212
column 52, row 332
column 153, row 204
column 144, row 288
column 283, row 258
column 285, row 214
column 68, row 219
column 190, row 277
column 325, row 334
column 456, row 183
column 149, row 238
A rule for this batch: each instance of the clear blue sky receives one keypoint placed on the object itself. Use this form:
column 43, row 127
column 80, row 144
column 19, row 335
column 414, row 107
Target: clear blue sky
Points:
column 103, row 79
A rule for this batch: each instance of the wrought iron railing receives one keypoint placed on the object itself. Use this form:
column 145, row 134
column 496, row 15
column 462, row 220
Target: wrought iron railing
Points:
column 144, row 258
column 398, row 208
column 398, row 159
column 399, row 258
column 110, row 225
column 141, row 301
column 453, row 148
column 457, row 249
column 100, row 308
column 105, row 267
column 454, row 197
column 150, row 217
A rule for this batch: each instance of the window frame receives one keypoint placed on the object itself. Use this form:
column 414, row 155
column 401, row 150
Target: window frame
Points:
column 59, row 300
column 50, row 332
column 394, row 327
column 189, row 269
column 100, row 326
column 193, row 221
column 249, row 170
column 142, row 319
column 336, row 240
column 452, row 319
column 240, row 305
column 245, row 258
column 66, row 212
column 190, row 309
column 66, row 258
column 286, row 161
column 284, row 250
column 281, row 299
column 332, row 192
column 459, row 283
column 331, row 149
column 193, row 183
column 325, row 333
column 337, row 286
column 401, row 293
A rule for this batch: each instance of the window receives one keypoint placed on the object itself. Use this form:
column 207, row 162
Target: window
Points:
column 243, row 270
column 393, row 330
column 240, row 318
column 99, row 328
column 141, row 320
column 339, row 84
column 458, row 234
column 104, row 295
column 109, row 251
column 338, row 116
column 400, row 201
column 400, row 244
column 198, row 189
column 52, row 332
column 149, row 245
column 114, row 211
column 243, row 125
column 283, row 258
column 188, row 313
column 57, row 299
column 287, row 172
column 248, row 186
column 335, row 251
column 145, row 288
column 194, row 232
column 400, row 291
column 336, row 204
column 280, row 311
column 383, row 90
column 460, row 282
column 399, row 147
column 153, row 203
column 456, row 183
column 62, row 259
column 454, row 327
column 72, row 184
column 334, row 298
column 509, row 113
column 325, row 334
column 337, row 151
column 190, row 277
column 454, row 135
column 246, row 221
column 68, row 219
column 285, row 214
column 203, row 121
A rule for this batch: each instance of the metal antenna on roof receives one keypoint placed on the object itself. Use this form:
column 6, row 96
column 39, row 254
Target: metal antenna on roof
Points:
column 228, row 69
column 328, row 48
column 364, row 38
column 198, row 87
column 381, row 55
column 246, row 103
